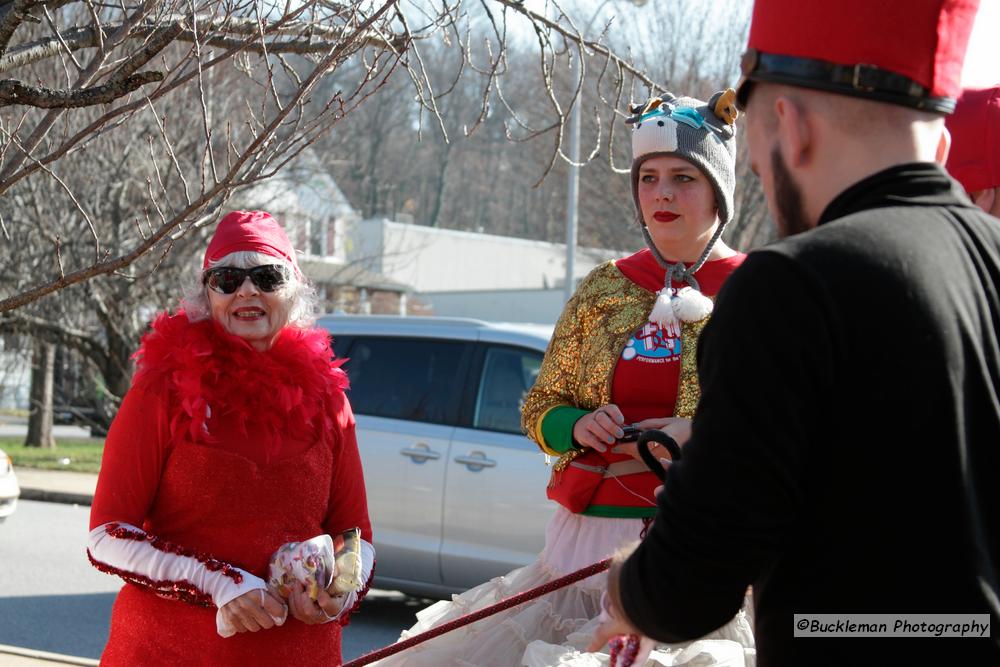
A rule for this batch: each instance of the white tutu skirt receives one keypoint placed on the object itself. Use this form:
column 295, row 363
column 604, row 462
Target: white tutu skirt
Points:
column 555, row 629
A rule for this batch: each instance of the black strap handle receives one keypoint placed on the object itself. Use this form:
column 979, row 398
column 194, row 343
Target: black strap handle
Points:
column 651, row 461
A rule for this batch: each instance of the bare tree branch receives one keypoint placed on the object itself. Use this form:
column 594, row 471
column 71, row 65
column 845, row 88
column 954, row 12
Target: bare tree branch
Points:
column 249, row 159
column 52, row 332
column 14, row 92
column 11, row 18
column 297, row 39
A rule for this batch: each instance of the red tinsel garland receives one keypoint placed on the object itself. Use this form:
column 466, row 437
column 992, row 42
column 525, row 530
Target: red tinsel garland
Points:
column 184, row 591
column 626, row 648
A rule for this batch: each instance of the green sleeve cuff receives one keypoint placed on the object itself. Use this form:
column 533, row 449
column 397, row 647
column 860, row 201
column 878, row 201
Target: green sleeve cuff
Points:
column 557, row 427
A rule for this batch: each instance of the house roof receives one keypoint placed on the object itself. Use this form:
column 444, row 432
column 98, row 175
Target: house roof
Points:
column 302, row 188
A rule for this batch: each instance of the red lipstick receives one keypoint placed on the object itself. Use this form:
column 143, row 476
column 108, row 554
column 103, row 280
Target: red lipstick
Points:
column 665, row 216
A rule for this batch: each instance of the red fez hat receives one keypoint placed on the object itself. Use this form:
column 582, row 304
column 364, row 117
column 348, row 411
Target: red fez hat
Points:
column 896, row 51
column 254, row 231
column 974, row 160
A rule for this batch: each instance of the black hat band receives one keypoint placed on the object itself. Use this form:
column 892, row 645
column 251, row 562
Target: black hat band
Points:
column 862, row 80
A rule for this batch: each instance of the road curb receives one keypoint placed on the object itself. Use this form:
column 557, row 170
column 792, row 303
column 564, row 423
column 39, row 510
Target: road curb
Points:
column 49, row 496
column 45, row 656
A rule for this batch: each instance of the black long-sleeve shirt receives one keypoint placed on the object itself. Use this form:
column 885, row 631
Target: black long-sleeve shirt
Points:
column 844, row 458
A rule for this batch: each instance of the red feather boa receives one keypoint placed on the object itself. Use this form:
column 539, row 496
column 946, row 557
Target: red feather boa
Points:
column 282, row 391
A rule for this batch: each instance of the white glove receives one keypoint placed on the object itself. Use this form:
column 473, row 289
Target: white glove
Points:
column 134, row 558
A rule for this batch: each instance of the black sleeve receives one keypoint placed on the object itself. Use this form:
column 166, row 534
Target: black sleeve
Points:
column 734, row 499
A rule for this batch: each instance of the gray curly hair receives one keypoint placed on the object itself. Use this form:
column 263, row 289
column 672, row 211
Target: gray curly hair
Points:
column 298, row 293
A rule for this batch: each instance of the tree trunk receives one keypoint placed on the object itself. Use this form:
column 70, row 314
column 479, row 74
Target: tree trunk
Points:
column 43, row 362
column 441, row 184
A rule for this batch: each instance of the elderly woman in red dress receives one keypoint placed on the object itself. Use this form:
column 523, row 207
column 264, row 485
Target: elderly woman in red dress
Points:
column 235, row 438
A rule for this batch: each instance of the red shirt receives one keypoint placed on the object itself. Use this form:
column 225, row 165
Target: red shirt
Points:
column 644, row 385
column 646, row 376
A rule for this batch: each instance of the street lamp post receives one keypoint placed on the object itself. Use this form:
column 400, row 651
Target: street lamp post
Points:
column 573, row 186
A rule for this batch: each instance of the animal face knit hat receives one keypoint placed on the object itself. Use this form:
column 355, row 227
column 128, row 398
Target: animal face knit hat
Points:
column 704, row 134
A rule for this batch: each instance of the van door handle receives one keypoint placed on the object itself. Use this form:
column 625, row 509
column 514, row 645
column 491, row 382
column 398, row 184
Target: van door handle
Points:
column 420, row 453
column 476, row 461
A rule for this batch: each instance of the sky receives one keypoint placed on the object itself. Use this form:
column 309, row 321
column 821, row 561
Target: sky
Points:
column 982, row 60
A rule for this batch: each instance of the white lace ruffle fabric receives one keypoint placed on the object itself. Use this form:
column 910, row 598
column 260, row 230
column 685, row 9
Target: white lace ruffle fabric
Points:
column 555, row 628
column 730, row 646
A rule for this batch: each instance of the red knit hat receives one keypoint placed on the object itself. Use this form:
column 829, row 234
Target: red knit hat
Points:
column 254, row 231
column 974, row 160
column 896, row 51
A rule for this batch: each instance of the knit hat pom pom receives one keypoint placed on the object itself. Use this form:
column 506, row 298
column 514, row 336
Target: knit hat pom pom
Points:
column 663, row 313
column 690, row 305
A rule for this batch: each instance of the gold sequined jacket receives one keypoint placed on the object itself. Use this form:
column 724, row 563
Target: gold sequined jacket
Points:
column 579, row 364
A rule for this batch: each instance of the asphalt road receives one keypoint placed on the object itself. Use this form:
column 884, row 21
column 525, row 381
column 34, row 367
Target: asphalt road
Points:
column 16, row 427
column 51, row 599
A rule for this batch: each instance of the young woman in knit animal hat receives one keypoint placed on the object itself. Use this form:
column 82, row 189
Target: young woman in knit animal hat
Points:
column 235, row 439
column 623, row 354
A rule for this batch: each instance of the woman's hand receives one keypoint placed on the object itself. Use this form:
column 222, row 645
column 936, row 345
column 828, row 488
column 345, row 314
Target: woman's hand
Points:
column 614, row 625
column 310, row 611
column 677, row 428
column 254, row 610
column 600, row 428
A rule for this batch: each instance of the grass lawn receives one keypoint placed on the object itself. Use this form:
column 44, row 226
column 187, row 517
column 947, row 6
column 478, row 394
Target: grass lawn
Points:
column 84, row 454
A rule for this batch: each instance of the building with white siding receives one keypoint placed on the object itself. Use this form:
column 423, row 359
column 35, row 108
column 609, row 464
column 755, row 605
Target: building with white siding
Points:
column 468, row 274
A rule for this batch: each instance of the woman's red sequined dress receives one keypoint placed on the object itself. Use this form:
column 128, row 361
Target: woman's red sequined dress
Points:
column 224, row 454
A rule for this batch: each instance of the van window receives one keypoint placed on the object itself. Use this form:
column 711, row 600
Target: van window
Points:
column 404, row 378
column 341, row 344
column 508, row 374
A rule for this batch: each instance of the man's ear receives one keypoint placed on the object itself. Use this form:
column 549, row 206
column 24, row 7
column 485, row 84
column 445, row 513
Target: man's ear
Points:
column 985, row 199
column 943, row 147
column 794, row 131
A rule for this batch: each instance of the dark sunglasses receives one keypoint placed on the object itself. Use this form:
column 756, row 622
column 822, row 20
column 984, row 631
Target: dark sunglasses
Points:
column 227, row 279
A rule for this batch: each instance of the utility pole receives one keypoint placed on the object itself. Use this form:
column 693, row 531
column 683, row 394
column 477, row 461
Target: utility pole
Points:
column 573, row 186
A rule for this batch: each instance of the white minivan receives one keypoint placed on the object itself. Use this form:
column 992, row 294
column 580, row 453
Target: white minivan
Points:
column 456, row 493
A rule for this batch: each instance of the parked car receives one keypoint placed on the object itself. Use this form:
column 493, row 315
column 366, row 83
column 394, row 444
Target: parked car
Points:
column 456, row 492
column 98, row 421
column 73, row 415
column 9, row 490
